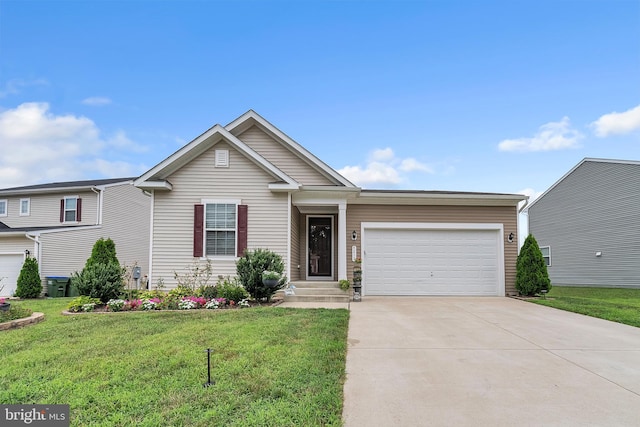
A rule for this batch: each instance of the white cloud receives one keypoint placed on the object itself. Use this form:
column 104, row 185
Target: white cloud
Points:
column 14, row 86
column 551, row 136
column 383, row 169
column 617, row 123
column 39, row 146
column 96, row 101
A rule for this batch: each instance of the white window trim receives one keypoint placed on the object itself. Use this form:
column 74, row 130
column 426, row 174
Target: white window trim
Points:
column 28, row 212
column 75, row 210
column 6, row 207
column 544, row 257
column 206, row 202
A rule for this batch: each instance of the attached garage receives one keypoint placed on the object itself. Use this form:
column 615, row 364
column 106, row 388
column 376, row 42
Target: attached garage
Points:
column 433, row 259
column 10, row 266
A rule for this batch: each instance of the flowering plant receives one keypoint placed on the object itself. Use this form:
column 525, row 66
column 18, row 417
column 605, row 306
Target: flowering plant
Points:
column 244, row 303
column 115, row 304
column 187, row 304
column 215, row 303
column 2, row 300
column 358, row 260
column 89, row 306
column 150, row 304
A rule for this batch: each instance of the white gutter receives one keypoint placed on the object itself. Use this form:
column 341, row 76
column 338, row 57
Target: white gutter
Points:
column 100, row 193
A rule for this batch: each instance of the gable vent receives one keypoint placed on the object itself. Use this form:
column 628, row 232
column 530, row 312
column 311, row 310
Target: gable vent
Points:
column 222, row 158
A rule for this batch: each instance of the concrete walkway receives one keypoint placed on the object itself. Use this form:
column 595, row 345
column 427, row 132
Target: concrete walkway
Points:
column 487, row 362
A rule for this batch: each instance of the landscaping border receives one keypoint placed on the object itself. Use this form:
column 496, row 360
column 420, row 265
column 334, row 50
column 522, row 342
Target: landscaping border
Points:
column 18, row 323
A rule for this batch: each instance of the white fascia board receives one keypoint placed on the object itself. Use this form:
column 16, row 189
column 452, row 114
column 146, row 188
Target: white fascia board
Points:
column 12, row 234
column 403, row 198
column 155, row 185
column 53, row 190
column 280, row 186
column 194, row 148
column 303, row 152
column 62, row 230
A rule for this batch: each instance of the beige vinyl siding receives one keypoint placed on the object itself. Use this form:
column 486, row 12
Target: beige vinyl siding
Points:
column 15, row 244
column 506, row 215
column 282, row 158
column 45, row 209
column 243, row 180
column 295, row 244
column 125, row 221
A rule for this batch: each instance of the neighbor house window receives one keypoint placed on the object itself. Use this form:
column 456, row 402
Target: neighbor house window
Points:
column 70, row 209
column 25, row 207
column 220, row 229
column 3, row 208
column 546, row 254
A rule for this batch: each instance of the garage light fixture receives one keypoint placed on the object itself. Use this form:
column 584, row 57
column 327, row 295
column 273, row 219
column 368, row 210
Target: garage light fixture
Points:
column 354, row 235
column 510, row 237
column 26, row 253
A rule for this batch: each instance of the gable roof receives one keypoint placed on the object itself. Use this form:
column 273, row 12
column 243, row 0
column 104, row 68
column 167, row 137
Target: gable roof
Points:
column 56, row 187
column 251, row 118
column 585, row 160
column 155, row 178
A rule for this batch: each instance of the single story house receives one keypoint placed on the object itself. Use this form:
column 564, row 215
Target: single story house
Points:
column 248, row 185
column 58, row 224
column 586, row 225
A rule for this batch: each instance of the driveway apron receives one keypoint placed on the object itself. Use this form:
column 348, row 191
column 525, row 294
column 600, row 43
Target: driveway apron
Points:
column 449, row 361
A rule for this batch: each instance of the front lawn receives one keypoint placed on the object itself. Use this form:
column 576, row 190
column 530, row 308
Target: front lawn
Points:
column 271, row 366
column 618, row 305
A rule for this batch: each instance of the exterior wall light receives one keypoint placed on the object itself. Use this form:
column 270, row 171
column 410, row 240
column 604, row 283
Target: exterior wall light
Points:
column 510, row 237
column 354, row 235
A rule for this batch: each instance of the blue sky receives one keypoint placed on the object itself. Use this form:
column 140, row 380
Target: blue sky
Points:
column 435, row 95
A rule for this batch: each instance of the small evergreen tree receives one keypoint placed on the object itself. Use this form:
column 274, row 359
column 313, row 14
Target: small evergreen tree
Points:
column 531, row 270
column 103, row 252
column 29, row 282
column 102, row 276
column 250, row 268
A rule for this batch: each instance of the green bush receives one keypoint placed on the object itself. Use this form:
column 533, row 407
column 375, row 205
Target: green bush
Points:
column 181, row 291
column 102, row 281
column 531, row 269
column 231, row 290
column 153, row 294
column 103, row 252
column 29, row 282
column 82, row 304
column 208, row 292
column 250, row 268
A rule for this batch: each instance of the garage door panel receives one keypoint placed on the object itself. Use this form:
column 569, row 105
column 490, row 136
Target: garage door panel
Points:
column 10, row 266
column 431, row 262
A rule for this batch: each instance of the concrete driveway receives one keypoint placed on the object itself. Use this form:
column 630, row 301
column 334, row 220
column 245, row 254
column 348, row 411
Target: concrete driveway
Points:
column 430, row 361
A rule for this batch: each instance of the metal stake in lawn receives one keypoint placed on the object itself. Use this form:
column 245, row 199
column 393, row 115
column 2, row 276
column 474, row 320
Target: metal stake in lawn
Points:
column 209, row 382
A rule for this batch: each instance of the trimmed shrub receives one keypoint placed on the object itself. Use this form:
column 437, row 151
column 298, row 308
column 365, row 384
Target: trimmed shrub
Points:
column 250, row 268
column 208, row 292
column 29, row 282
column 181, row 291
column 102, row 281
column 103, row 252
column 231, row 290
column 531, row 269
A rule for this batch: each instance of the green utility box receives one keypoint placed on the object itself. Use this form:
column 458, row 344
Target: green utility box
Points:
column 57, row 286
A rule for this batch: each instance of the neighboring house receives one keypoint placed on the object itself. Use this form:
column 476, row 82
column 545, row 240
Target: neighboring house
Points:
column 586, row 225
column 58, row 224
column 248, row 185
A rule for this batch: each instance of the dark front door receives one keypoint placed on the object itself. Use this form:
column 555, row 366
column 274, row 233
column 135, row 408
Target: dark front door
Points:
column 320, row 247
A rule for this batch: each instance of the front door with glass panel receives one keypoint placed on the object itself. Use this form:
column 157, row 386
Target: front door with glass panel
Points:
column 320, row 254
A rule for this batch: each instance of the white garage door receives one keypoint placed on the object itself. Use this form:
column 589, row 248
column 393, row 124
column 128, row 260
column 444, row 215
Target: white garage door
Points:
column 10, row 266
column 432, row 262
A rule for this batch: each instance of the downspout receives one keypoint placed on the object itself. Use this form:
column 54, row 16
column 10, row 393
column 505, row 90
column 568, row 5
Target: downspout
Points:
column 521, row 211
column 36, row 245
column 100, row 193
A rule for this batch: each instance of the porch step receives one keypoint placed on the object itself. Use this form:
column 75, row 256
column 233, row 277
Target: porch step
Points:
column 316, row 291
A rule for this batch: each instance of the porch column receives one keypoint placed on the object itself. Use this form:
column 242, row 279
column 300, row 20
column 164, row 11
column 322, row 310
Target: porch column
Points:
column 342, row 240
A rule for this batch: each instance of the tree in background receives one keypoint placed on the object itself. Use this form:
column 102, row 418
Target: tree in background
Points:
column 531, row 270
column 29, row 283
column 103, row 252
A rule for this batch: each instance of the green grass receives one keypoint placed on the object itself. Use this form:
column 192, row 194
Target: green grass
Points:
column 615, row 304
column 271, row 366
